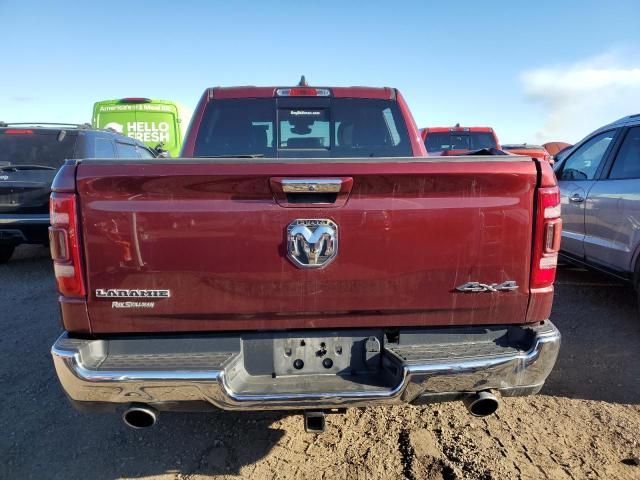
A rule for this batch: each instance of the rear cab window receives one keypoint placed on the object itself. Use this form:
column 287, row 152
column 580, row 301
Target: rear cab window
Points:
column 30, row 146
column 436, row 142
column 303, row 127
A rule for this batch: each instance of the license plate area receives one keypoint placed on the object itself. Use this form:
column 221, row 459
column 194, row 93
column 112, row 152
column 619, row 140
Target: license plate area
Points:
column 306, row 353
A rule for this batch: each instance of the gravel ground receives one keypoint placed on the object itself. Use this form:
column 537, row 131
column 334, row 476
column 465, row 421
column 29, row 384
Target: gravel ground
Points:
column 585, row 424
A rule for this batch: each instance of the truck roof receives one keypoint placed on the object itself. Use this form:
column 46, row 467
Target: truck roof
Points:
column 521, row 146
column 458, row 128
column 383, row 93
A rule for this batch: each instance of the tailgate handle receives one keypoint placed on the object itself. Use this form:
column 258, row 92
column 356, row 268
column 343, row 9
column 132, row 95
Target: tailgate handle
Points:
column 309, row 185
column 309, row 192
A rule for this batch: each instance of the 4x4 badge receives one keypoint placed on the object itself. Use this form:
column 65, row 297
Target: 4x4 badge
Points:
column 475, row 287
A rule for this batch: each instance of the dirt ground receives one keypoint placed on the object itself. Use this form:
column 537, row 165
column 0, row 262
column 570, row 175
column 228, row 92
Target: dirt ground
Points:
column 584, row 425
column 545, row 437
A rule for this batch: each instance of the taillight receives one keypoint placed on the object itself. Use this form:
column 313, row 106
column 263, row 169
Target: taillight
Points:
column 18, row 131
column 547, row 238
column 65, row 244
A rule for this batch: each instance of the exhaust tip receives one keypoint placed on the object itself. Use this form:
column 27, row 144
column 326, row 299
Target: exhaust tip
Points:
column 481, row 404
column 140, row 417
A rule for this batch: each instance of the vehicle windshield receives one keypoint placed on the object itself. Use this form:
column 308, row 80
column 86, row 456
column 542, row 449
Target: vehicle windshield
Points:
column 436, row 142
column 28, row 147
column 303, row 127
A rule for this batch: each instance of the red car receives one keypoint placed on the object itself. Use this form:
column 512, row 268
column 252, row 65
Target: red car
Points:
column 457, row 140
column 534, row 151
column 306, row 256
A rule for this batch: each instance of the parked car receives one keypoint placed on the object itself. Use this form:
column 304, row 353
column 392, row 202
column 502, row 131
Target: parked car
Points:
column 30, row 156
column 458, row 140
column 600, row 195
column 309, row 258
column 153, row 122
column 535, row 151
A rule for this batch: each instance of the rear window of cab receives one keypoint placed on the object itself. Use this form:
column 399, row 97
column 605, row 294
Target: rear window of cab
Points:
column 339, row 127
column 442, row 141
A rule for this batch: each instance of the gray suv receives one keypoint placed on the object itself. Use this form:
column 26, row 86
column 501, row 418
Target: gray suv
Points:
column 600, row 195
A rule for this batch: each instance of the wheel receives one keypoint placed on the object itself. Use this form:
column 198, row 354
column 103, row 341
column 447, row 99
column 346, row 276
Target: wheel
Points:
column 5, row 252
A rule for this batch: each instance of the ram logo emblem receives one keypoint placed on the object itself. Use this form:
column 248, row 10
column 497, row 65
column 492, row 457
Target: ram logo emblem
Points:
column 312, row 243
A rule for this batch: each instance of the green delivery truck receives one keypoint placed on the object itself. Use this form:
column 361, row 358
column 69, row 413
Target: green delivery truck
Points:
column 153, row 122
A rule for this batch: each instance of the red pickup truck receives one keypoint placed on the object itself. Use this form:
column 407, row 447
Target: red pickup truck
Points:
column 445, row 141
column 535, row 151
column 304, row 255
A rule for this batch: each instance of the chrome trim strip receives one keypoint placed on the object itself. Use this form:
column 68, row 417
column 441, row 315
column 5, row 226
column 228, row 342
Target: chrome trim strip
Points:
column 508, row 372
column 312, row 161
column 7, row 219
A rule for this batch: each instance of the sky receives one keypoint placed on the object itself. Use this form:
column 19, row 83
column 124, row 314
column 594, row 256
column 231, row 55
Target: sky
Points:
column 534, row 71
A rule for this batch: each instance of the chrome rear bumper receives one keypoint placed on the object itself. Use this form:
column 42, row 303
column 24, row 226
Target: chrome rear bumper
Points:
column 421, row 373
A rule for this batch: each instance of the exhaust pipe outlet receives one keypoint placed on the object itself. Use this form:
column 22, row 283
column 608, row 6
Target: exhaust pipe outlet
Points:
column 140, row 416
column 481, row 404
column 314, row 422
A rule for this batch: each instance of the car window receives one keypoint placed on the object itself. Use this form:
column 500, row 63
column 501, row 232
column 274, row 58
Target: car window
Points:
column 585, row 160
column 144, row 153
column 126, row 151
column 29, row 147
column 103, row 148
column 627, row 163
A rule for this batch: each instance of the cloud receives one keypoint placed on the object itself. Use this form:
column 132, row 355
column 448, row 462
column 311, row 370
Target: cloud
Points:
column 585, row 95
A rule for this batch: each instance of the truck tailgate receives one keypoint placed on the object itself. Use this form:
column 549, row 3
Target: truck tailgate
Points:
column 213, row 233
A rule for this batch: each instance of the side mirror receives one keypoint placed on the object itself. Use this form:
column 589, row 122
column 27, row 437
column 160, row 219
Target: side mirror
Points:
column 160, row 151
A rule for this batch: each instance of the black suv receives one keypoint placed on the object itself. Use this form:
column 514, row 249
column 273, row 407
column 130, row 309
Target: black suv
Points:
column 30, row 156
